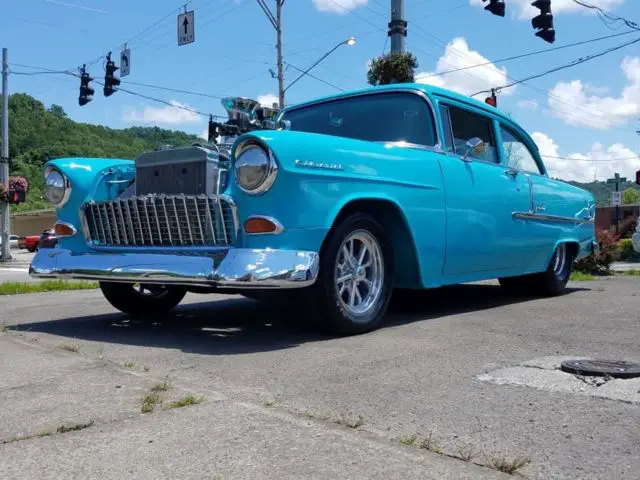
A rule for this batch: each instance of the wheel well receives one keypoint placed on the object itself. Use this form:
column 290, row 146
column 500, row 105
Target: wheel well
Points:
column 574, row 248
column 389, row 215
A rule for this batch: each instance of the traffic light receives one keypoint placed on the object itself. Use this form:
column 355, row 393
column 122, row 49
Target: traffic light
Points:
column 496, row 7
column 86, row 92
column 638, row 177
column 543, row 23
column 213, row 130
column 492, row 100
column 110, row 80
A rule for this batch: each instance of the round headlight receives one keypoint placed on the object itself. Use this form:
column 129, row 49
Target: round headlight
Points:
column 56, row 187
column 255, row 169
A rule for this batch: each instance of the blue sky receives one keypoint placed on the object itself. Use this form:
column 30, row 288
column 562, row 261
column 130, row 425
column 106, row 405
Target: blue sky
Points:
column 586, row 112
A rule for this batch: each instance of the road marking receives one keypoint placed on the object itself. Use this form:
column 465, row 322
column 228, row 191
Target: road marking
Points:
column 8, row 269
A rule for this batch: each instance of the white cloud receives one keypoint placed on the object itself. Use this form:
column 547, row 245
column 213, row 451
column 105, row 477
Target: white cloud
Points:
column 528, row 104
column 581, row 167
column 167, row 115
column 268, row 100
column 205, row 134
column 580, row 104
column 338, row 6
column 458, row 55
column 526, row 11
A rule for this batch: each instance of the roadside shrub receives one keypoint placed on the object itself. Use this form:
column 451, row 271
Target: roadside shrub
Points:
column 601, row 263
column 626, row 253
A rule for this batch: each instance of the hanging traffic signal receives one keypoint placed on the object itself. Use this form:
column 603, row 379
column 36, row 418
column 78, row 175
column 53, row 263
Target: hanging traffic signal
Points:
column 110, row 80
column 638, row 177
column 543, row 23
column 492, row 100
column 213, row 130
column 496, row 7
column 86, row 92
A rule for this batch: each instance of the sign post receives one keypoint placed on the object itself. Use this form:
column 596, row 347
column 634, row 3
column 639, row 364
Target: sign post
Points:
column 617, row 196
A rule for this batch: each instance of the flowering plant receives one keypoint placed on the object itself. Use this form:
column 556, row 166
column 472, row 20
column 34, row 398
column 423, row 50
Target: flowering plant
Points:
column 19, row 184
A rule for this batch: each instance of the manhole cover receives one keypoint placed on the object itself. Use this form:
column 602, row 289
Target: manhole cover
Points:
column 602, row 368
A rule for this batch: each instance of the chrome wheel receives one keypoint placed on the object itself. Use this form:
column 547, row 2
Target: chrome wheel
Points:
column 359, row 273
column 559, row 261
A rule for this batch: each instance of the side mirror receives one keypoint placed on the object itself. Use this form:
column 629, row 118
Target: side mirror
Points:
column 472, row 144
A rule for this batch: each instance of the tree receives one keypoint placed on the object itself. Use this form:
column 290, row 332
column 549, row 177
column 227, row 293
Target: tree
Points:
column 58, row 111
column 396, row 67
column 631, row 196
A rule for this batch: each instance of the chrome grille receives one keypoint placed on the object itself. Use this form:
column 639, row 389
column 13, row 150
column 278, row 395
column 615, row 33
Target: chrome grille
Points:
column 162, row 221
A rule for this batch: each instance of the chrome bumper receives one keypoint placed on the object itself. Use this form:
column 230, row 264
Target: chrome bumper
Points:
column 240, row 268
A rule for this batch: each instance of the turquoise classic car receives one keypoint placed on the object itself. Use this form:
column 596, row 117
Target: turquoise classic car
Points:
column 342, row 200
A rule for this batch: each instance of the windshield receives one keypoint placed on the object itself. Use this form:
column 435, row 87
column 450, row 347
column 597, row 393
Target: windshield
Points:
column 387, row 117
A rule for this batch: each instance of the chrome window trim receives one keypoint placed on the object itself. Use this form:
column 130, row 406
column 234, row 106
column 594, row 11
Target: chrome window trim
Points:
column 279, row 227
column 416, row 91
column 551, row 218
column 272, row 172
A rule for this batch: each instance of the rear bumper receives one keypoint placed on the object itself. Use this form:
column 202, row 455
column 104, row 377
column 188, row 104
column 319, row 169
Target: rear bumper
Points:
column 236, row 268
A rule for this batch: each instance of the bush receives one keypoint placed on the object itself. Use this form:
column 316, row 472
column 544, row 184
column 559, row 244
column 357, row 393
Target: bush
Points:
column 600, row 264
column 626, row 253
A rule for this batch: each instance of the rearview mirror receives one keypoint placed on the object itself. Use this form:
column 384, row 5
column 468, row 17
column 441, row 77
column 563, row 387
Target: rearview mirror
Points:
column 472, row 144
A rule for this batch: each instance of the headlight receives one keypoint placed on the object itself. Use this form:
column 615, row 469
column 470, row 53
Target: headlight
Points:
column 57, row 187
column 255, row 169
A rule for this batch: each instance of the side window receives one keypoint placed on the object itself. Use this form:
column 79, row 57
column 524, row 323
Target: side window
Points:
column 465, row 126
column 386, row 117
column 516, row 153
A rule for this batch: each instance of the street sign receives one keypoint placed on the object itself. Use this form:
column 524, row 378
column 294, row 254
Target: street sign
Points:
column 617, row 199
column 186, row 28
column 125, row 62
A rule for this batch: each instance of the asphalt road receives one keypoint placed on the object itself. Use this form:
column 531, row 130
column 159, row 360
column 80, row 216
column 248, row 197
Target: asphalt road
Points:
column 468, row 367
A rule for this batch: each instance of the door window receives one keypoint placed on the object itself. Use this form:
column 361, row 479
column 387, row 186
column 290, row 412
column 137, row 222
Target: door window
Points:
column 465, row 126
column 517, row 154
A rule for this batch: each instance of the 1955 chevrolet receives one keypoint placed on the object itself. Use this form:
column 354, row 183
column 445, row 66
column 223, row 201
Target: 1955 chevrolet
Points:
column 339, row 201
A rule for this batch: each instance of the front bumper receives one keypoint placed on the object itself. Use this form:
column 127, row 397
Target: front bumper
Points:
column 235, row 268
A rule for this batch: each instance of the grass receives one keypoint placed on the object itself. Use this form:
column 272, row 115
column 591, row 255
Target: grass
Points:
column 130, row 365
column 69, row 347
column 426, row 443
column 578, row 276
column 74, row 427
column 634, row 272
column 508, row 465
column 466, row 452
column 3, row 327
column 350, row 421
column 42, row 434
column 149, row 402
column 160, row 387
column 184, row 402
column 16, row 288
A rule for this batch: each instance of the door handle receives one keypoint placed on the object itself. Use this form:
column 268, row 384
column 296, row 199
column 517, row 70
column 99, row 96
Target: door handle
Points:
column 511, row 173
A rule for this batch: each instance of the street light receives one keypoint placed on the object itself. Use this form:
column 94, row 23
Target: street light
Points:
column 349, row 42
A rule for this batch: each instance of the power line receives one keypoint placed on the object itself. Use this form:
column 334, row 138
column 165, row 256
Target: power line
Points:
column 604, row 16
column 562, row 67
column 176, row 90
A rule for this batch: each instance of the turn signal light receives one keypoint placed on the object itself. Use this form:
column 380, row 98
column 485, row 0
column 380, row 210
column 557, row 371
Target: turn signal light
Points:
column 257, row 225
column 64, row 230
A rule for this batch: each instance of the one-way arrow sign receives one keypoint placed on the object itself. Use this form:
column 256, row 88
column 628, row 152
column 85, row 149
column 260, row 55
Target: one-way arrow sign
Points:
column 186, row 28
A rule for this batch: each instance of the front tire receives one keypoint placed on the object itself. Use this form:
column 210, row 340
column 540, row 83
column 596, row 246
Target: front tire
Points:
column 141, row 300
column 552, row 282
column 354, row 286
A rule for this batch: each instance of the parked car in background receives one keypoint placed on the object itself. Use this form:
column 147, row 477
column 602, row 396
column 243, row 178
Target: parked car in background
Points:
column 47, row 239
column 349, row 196
column 30, row 242
column 14, row 241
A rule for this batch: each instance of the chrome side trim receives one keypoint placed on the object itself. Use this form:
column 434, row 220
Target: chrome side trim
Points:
column 241, row 268
column 68, row 225
column 550, row 218
column 279, row 226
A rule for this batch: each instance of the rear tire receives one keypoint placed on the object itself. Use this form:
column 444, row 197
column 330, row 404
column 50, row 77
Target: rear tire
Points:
column 552, row 282
column 354, row 286
column 140, row 300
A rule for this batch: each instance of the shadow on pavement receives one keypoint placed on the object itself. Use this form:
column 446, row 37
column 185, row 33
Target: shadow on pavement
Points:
column 238, row 325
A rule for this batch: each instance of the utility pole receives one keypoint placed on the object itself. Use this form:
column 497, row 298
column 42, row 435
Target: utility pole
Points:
column 279, row 4
column 4, row 159
column 276, row 21
column 616, row 198
column 397, row 26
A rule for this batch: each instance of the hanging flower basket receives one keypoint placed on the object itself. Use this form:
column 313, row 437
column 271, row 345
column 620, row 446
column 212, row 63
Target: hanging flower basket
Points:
column 18, row 187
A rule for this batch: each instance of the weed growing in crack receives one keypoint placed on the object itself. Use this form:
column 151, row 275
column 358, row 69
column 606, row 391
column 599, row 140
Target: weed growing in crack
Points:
column 184, row 402
column 149, row 402
column 508, row 465
column 69, row 347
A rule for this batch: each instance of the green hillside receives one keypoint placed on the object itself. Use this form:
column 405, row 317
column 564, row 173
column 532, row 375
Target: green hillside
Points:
column 37, row 134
